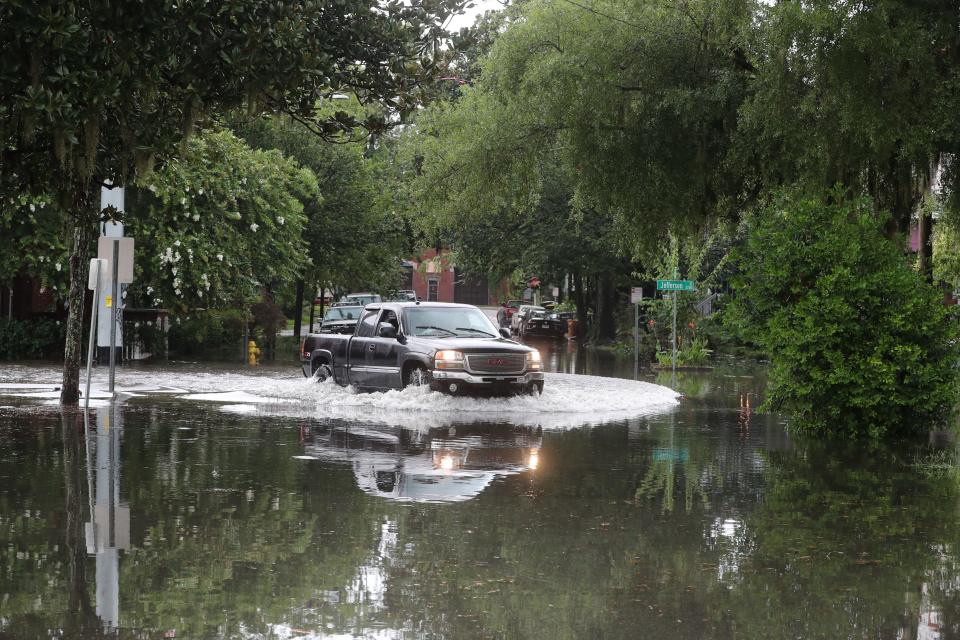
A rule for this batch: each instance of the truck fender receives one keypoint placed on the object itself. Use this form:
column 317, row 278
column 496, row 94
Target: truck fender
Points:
column 318, row 357
column 413, row 359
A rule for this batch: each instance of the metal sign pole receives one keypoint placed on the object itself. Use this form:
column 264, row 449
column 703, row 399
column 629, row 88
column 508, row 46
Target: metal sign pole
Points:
column 636, row 340
column 674, row 333
column 93, row 333
column 113, row 313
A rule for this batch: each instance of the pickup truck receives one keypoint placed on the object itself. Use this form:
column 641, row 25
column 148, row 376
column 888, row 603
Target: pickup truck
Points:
column 452, row 348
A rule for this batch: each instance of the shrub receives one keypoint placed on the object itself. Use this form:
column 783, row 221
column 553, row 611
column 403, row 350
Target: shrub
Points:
column 208, row 333
column 33, row 338
column 860, row 344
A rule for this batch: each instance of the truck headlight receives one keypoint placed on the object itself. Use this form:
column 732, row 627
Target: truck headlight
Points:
column 448, row 360
column 533, row 360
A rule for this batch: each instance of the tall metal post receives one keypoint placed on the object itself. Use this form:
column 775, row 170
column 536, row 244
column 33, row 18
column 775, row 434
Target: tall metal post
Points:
column 93, row 334
column 674, row 333
column 114, row 303
column 636, row 340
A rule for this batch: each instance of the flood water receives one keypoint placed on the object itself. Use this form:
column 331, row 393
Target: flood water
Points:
column 224, row 503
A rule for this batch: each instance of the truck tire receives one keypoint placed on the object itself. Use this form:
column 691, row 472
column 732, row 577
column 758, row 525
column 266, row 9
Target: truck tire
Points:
column 323, row 373
column 418, row 376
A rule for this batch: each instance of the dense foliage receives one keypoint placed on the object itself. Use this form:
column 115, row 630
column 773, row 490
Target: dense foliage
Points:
column 35, row 338
column 216, row 225
column 861, row 345
column 100, row 91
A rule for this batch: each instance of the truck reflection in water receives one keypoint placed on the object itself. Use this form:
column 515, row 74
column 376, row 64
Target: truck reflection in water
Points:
column 445, row 464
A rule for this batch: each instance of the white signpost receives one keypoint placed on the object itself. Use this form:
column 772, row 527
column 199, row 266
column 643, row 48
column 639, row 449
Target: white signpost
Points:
column 117, row 251
column 94, row 282
column 636, row 297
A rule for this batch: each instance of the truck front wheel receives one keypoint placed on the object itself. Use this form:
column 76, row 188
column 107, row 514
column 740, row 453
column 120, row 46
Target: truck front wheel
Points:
column 418, row 377
column 323, row 373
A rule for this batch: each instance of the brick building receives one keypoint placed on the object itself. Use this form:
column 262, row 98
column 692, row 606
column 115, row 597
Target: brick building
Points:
column 435, row 277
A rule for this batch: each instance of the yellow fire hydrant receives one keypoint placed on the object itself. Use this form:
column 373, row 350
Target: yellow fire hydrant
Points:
column 253, row 353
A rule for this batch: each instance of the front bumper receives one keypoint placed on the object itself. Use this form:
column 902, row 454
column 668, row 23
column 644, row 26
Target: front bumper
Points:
column 442, row 379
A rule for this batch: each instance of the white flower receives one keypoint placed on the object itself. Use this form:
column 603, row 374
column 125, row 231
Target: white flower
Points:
column 183, row 201
column 57, row 266
column 149, row 323
column 149, row 290
column 200, row 190
column 199, row 293
column 176, row 243
column 254, row 226
column 220, row 257
column 153, row 188
column 177, row 291
column 173, row 271
column 32, row 208
column 280, row 220
column 196, row 217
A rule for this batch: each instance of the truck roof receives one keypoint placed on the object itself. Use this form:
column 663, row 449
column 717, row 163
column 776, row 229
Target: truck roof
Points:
column 407, row 305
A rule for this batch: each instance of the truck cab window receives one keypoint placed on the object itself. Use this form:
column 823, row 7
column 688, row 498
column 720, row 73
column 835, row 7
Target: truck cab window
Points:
column 391, row 318
column 368, row 324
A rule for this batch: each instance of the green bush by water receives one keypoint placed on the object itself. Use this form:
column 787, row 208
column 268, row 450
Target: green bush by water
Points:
column 33, row 338
column 860, row 344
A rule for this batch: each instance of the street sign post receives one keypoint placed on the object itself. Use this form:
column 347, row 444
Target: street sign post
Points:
column 636, row 297
column 117, row 254
column 97, row 267
column 675, row 286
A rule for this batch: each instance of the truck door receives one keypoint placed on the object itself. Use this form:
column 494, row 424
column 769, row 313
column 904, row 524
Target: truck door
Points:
column 362, row 347
column 386, row 360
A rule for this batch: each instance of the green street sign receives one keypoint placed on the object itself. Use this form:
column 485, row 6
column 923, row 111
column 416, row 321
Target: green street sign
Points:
column 675, row 285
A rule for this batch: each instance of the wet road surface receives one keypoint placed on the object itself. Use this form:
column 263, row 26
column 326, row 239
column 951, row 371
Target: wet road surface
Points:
column 215, row 502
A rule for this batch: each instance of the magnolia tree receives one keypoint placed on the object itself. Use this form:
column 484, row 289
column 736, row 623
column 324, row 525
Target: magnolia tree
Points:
column 102, row 90
column 218, row 223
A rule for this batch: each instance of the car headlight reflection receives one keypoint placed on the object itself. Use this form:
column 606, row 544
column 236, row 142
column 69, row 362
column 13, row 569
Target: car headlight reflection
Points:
column 534, row 458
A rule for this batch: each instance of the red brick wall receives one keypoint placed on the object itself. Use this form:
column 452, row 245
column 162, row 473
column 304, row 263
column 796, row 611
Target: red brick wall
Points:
column 427, row 267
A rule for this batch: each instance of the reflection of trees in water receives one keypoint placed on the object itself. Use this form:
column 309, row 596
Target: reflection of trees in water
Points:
column 753, row 538
column 79, row 610
column 855, row 536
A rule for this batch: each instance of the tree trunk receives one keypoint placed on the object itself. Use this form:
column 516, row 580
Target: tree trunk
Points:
column 605, row 324
column 298, row 312
column 79, row 266
column 580, row 300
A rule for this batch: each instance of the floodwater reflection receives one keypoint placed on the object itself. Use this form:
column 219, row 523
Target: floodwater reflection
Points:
column 445, row 464
column 160, row 517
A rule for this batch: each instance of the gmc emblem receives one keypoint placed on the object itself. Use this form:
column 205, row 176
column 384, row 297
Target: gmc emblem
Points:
column 497, row 362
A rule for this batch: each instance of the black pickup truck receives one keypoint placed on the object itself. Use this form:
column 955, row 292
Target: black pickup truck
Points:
column 449, row 347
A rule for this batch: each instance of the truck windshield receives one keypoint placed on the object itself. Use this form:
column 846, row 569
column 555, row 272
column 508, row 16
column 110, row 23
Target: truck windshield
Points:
column 444, row 322
column 343, row 313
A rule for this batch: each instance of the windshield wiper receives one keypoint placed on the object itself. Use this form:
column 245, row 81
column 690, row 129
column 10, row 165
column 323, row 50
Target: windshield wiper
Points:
column 453, row 333
column 476, row 331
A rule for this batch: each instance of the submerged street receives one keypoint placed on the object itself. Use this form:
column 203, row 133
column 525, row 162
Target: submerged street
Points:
column 213, row 501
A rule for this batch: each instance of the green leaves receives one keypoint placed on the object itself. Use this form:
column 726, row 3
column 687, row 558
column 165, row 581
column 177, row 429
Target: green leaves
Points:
column 861, row 345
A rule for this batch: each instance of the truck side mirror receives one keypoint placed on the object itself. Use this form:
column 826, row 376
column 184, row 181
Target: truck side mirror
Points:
column 386, row 330
column 505, row 332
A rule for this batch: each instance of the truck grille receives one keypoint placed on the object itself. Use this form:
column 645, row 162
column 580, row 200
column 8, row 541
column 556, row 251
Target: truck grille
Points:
column 495, row 362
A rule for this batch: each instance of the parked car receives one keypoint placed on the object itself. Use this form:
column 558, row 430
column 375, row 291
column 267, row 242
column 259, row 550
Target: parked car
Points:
column 404, row 295
column 521, row 314
column 538, row 321
column 449, row 347
column 506, row 311
column 341, row 319
column 362, row 299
